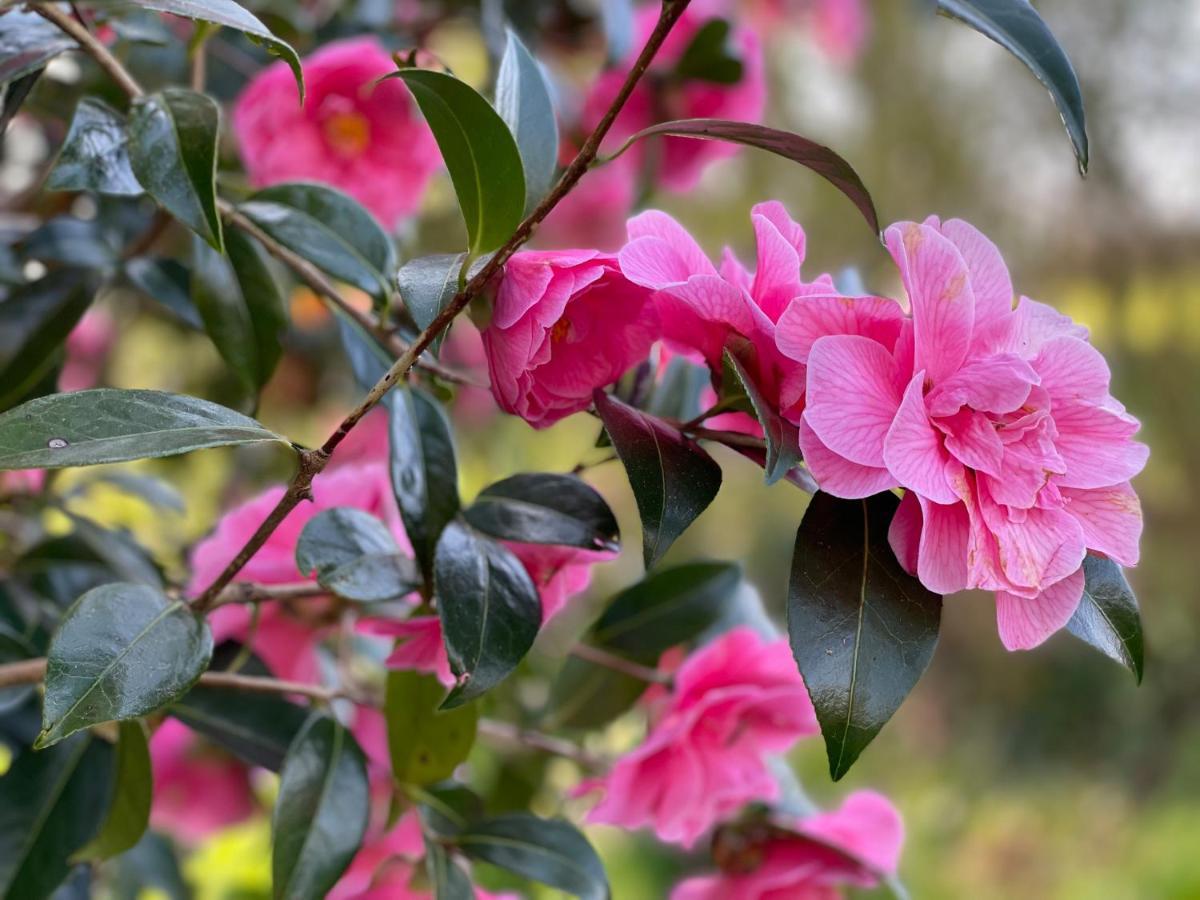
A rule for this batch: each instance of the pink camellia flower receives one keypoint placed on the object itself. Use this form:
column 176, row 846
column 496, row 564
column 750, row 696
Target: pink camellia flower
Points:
column 198, row 788
column 419, row 645
column 287, row 644
column 851, row 846
column 704, row 309
column 839, row 27
column 564, row 323
column 353, row 133
column 997, row 421
column 733, row 702
column 87, row 350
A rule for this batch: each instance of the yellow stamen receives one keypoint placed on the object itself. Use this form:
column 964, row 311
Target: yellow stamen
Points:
column 348, row 133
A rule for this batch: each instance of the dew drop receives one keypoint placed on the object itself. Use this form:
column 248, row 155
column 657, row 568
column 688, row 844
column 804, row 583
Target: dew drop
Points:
column 56, row 443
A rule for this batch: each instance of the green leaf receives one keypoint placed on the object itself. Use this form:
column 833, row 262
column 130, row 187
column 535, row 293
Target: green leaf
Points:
column 122, row 651
column 241, row 307
column 104, row 425
column 546, row 508
column 673, row 479
column 427, row 284
column 330, row 229
column 129, row 814
column 167, row 282
column 51, row 803
column 523, row 100
column 12, row 96
column 173, row 152
column 152, row 491
column 423, row 470
column 809, row 154
column 321, row 814
column 1016, row 26
column 27, row 43
column 220, row 12
column 550, row 851
column 449, row 807
column 426, row 744
column 94, row 156
column 862, row 629
column 782, row 437
column 449, row 881
column 1108, row 617
column 354, row 556
column 480, row 152
column 489, row 608
column 257, row 728
column 707, row 56
column 35, row 320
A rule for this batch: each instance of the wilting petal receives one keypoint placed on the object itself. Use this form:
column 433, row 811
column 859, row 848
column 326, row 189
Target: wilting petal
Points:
column 809, row 318
column 1111, row 519
column 1096, row 444
column 837, row 475
column 852, row 396
column 1025, row 623
column 913, row 449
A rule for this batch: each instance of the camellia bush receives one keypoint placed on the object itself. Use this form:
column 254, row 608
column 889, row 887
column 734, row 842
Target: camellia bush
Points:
column 361, row 628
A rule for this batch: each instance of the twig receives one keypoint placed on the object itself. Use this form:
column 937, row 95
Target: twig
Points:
column 728, row 438
column 503, row 731
column 252, row 592
column 620, row 664
column 94, row 47
column 28, row 671
column 313, row 462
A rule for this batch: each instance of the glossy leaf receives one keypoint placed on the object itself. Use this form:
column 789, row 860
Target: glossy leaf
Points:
column 449, row 881
column 167, row 282
column 707, row 56
column 122, row 651
column 129, row 813
column 426, row 744
column 523, row 100
column 35, row 320
column 355, row 556
column 811, row 155
column 423, row 470
column 330, row 229
column 321, row 814
column 781, row 436
column 1108, row 617
column 546, row 508
column 489, row 608
column 27, row 43
column 862, row 629
column 12, row 96
column 173, row 152
column 368, row 359
column 673, row 479
column 551, row 851
column 257, row 728
column 427, row 284
column 480, row 152
column 1016, row 26
column 94, row 156
column 242, row 309
column 104, row 425
column 51, row 803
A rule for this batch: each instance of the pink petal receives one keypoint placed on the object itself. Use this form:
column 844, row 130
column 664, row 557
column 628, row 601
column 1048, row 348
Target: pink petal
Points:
column 1111, row 519
column 867, row 826
column 1026, row 623
column 939, row 289
column 664, row 253
column 1096, row 444
column 904, row 534
column 997, row 384
column 1072, row 370
column 973, row 441
column 837, row 475
column 810, row 318
column 777, row 270
column 990, row 280
column 945, row 538
column 852, row 396
column 1033, row 548
column 913, row 448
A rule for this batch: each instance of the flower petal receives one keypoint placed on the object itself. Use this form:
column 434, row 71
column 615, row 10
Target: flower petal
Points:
column 837, row 475
column 809, row 318
column 852, row 396
column 913, row 450
column 1025, row 623
column 1096, row 444
column 1111, row 519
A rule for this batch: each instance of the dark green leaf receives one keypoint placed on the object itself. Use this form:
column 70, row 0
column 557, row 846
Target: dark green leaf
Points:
column 258, row 728
column 73, row 242
column 524, row 102
column 1016, row 26
column 1108, row 617
column 104, row 425
column 51, row 803
column 355, row 556
column 426, row 744
column 550, row 851
column 129, row 814
column 173, row 151
column 369, row 361
column 782, row 437
column 321, row 814
column 167, row 282
column 585, row 695
column 480, row 152
column 122, row 651
column 448, row 807
column 489, row 607
column 707, row 56
column 546, row 508
column 220, row 12
column 427, row 284
column 423, row 469
column 449, row 881
column 12, row 96
column 862, row 629
column 149, row 868
column 800, row 150
column 673, row 479
column 330, row 229
column 27, row 43
column 34, row 323
column 94, row 156
column 241, row 306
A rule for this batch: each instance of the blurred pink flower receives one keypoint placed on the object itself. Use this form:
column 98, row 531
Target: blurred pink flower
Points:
column 997, row 421
column 839, row 27
column 851, row 846
column 593, row 214
column 564, row 323
column 286, row 643
column 198, row 788
column 419, row 646
column 733, row 702
column 354, row 134
column 87, row 350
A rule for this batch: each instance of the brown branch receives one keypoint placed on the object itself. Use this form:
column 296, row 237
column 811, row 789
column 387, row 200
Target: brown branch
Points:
column 252, row 592
column 88, row 42
column 728, row 438
column 313, row 462
column 28, row 671
column 503, row 731
column 600, row 657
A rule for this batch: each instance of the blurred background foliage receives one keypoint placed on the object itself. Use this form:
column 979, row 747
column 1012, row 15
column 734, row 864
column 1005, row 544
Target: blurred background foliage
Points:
column 1047, row 774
